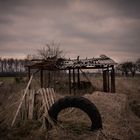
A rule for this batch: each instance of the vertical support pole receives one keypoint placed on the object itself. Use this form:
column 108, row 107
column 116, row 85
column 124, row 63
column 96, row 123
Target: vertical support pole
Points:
column 69, row 80
column 104, row 80
column 78, row 78
column 113, row 89
column 54, row 74
column 108, row 80
column 49, row 78
column 74, row 84
column 41, row 78
column 29, row 75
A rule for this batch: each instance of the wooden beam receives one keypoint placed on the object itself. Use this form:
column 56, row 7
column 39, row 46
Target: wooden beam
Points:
column 70, row 81
column 113, row 88
column 74, row 84
column 25, row 92
column 104, row 80
column 29, row 75
column 108, row 80
column 78, row 78
column 49, row 78
column 41, row 78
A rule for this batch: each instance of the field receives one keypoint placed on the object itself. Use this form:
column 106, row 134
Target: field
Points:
column 120, row 113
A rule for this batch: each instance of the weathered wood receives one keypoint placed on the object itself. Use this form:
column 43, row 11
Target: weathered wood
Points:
column 104, row 80
column 26, row 101
column 87, row 78
column 54, row 79
column 78, row 78
column 31, row 104
column 108, row 80
column 41, row 78
column 29, row 75
column 70, row 81
column 74, row 84
column 113, row 89
column 22, row 100
column 44, row 102
column 51, row 97
column 22, row 109
column 48, row 97
column 49, row 78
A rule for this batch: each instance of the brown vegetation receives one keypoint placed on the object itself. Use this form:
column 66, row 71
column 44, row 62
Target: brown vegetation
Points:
column 119, row 122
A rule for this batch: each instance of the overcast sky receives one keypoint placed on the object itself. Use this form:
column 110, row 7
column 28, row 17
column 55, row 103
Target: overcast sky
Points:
column 83, row 27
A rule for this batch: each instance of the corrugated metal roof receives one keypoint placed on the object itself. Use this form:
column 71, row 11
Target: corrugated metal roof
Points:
column 73, row 63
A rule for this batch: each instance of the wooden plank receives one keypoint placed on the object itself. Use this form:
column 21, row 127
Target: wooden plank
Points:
column 43, row 99
column 78, row 78
column 69, row 80
column 26, row 105
column 104, row 80
column 41, row 78
column 108, row 80
column 22, row 107
column 51, row 97
column 31, row 104
column 113, row 90
column 74, row 83
column 46, row 98
column 53, row 94
column 46, row 115
column 29, row 75
column 22, row 100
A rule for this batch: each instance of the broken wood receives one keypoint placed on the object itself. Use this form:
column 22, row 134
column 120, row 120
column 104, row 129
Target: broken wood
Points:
column 22, row 100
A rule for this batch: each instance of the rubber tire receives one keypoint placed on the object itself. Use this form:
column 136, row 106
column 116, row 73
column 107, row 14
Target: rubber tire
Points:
column 78, row 102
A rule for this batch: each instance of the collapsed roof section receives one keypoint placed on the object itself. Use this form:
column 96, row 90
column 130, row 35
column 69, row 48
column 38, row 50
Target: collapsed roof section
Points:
column 64, row 64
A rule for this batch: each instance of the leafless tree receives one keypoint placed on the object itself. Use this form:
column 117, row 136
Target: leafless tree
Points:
column 51, row 50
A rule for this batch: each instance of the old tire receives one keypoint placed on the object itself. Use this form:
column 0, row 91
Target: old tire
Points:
column 78, row 102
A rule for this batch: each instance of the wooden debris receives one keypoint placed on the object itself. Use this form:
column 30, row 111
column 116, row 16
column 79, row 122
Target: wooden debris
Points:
column 36, row 102
column 22, row 100
column 31, row 104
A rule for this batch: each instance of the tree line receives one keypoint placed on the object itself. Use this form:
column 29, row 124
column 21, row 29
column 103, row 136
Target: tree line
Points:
column 10, row 66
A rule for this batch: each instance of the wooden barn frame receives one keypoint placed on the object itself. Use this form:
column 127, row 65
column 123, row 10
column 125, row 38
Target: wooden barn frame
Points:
column 74, row 67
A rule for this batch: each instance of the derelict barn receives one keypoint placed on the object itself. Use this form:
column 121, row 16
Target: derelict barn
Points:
column 35, row 104
column 74, row 69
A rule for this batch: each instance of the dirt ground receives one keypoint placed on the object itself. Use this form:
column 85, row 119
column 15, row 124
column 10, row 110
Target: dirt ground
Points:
column 119, row 114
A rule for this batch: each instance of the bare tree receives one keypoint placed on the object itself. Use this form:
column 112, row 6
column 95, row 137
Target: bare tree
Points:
column 51, row 50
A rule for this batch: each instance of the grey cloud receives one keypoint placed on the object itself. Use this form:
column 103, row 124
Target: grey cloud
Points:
column 81, row 26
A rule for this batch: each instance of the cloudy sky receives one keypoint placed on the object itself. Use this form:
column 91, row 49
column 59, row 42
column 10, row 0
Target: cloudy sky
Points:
column 83, row 27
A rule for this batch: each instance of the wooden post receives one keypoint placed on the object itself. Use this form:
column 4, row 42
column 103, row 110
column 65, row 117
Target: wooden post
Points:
column 69, row 80
column 29, row 75
column 104, row 81
column 78, row 78
column 25, row 92
column 74, row 81
column 113, row 90
column 54, row 82
column 49, row 78
column 41, row 78
column 108, row 80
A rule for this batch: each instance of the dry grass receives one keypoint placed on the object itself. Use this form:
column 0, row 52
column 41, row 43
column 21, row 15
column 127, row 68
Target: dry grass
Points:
column 119, row 122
